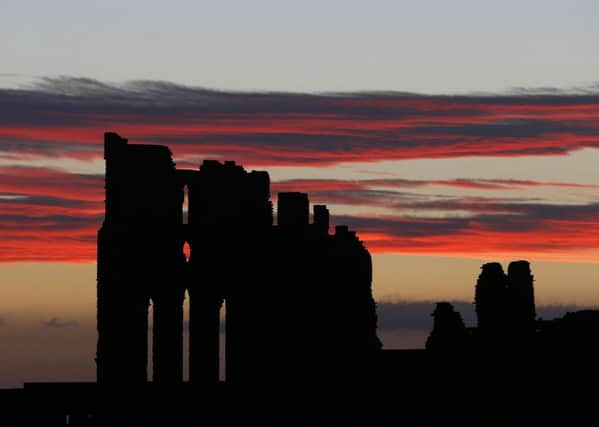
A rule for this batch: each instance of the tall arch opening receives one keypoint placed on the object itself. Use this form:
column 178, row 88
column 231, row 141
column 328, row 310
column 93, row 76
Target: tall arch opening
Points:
column 222, row 343
column 150, row 340
column 186, row 337
column 185, row 204
column 204, row 337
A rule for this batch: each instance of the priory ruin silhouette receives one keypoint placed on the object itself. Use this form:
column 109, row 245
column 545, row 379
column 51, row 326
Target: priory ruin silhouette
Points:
column 300, row 321
column 292, row 290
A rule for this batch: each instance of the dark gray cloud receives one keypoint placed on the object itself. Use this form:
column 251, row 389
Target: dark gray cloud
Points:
column 26, row 200
column 513, row 217
column 506, row 129
column 46, row 223
column 404, row 227
column 416, row 315
column 298, row 128
column 23, row 145
column 56, row 322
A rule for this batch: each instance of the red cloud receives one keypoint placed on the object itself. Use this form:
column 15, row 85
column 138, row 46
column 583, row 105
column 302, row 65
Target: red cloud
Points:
column 329, row 185
column 293, row 129
column 548, row 239
column 50, row 182
column 53, row 215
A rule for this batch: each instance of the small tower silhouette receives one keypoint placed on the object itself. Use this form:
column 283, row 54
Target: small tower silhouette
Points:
column 490, row 300
column 293, row 211
column 521, row 299
column 321, row 219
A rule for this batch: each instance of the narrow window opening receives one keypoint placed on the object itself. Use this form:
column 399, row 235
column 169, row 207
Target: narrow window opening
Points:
column 222, row 343
column 185, row 204
column 186, row 251
column 150, row 341
column 186, row 337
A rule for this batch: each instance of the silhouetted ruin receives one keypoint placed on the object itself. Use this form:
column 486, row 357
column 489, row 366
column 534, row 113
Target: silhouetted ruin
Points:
column 505, row 305
column 290, row 289
column 508, row 336
column 491, row 301
column 521, row 302
column 301, row 325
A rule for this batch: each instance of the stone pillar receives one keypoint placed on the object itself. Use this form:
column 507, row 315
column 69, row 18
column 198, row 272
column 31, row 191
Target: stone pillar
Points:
column 204, row 338
column 168, row 338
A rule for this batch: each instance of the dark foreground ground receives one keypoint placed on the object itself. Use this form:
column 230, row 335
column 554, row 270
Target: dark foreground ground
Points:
column 409, row 389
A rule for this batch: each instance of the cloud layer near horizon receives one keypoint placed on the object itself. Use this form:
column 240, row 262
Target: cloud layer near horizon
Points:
column 52, row 214
column 417, row 315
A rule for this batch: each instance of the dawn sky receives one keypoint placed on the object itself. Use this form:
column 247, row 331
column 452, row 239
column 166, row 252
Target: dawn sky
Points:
column 333, row 45
column 447, row 134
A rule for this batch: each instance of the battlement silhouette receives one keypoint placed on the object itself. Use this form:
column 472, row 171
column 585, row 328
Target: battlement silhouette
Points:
column 290, row 289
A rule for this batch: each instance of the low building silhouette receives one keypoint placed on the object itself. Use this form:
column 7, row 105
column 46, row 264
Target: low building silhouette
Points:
column 449, row 334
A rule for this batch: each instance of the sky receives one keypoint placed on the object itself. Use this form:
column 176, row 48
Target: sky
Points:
column 447, row 134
